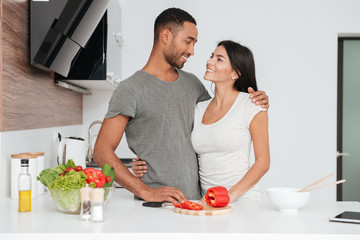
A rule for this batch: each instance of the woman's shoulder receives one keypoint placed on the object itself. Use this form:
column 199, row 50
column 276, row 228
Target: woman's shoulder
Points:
column 246, row 108
column 244, row 97
column 244, row 104
column 244, row 101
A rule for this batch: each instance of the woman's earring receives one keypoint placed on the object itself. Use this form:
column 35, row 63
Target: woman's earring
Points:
column 233, row 78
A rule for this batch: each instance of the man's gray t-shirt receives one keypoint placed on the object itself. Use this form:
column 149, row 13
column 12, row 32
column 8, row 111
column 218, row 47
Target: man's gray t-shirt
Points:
column 159, row 130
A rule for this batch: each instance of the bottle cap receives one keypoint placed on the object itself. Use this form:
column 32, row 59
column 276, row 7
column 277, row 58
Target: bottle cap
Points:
column 25, row 162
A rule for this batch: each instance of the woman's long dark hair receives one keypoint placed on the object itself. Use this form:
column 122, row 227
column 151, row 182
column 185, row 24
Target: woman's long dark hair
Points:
column 242, row 61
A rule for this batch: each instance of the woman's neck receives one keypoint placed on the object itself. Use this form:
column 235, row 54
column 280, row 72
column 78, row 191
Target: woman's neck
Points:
column 224, row 93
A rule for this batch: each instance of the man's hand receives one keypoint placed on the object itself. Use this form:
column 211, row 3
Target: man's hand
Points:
column 139, row 167
column 168, row 194
column 259, row 98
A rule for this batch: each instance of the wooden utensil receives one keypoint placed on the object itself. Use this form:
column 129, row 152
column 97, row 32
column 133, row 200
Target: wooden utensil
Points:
column 316, row 183
column 207, row 211
column 312, row 187
column 326, row 185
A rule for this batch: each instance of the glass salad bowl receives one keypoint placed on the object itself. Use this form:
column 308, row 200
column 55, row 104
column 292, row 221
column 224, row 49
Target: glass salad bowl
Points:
column 70, row 201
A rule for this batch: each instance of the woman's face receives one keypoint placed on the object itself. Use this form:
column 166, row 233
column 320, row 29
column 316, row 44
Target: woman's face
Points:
column 218, row 67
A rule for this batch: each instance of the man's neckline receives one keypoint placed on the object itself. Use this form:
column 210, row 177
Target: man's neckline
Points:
column 168, row 82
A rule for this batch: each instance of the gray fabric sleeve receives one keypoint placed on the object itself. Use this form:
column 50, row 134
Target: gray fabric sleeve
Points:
column 123, row 101
column 203, row 93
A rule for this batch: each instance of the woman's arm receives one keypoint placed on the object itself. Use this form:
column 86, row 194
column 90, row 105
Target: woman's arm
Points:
column 260, row 136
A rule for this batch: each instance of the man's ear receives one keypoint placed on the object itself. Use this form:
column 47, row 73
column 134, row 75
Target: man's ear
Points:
column 165, row 36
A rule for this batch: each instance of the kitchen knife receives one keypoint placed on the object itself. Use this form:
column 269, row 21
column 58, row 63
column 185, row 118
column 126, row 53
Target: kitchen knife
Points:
column 157, row 204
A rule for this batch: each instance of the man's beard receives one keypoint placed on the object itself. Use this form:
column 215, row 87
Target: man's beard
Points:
column 174, row 58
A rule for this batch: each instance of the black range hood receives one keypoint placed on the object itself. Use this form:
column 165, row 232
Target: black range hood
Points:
column 69, row 37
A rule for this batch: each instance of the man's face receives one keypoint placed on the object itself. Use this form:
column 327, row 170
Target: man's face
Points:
column 182, row 45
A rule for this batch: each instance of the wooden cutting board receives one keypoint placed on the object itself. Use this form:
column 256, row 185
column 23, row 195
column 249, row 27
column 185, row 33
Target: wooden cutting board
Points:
column 207, row 211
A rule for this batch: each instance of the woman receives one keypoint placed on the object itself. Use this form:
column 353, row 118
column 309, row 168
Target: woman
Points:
column 225, row 125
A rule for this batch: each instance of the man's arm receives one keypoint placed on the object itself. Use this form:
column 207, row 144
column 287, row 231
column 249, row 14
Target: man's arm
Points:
column 259, row 98
column 107, row 141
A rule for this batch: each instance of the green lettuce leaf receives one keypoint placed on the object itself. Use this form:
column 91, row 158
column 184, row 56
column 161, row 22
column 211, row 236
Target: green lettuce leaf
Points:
column 70, row 163
column 47, row 176
column 72, row 180
column 60, row 168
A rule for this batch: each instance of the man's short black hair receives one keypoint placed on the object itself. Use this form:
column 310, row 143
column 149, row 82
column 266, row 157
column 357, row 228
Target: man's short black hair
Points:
column 173, row 19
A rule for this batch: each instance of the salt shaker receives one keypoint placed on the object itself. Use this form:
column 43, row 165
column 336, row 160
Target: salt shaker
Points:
column 97, row 201
column 85, row 212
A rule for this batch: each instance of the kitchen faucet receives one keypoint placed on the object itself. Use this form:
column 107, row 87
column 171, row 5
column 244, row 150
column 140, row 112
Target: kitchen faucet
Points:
column 89, row 157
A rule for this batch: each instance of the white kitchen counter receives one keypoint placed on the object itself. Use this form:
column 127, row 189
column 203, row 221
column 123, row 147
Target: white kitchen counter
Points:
column 127, row 218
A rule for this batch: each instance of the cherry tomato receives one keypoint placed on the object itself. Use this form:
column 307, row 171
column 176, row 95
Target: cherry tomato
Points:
column 108, row 179
column 69, row 169
column 78, row 168
column 62, row 174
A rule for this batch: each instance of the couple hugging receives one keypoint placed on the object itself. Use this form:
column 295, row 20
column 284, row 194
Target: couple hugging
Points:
column 186, row 141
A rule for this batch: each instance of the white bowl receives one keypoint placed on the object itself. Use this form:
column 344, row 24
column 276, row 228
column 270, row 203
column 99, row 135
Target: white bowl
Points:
column 287, row 199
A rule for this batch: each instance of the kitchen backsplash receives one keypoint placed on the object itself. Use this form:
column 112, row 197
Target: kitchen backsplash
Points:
column 36, row 140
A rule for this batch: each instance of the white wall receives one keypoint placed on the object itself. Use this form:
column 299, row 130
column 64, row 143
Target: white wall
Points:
column 295, row 49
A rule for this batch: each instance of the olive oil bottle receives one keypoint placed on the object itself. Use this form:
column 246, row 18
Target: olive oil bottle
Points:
column 24, row 187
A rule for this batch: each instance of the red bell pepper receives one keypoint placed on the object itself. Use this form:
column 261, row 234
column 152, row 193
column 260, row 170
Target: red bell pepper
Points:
column 189, row 205
column 176, row 204
column 217, row 197
column 95, row 176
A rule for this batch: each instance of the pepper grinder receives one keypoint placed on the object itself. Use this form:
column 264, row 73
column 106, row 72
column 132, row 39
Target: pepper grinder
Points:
column 85, row 212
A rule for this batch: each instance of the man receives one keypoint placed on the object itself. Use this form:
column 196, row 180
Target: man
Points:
column 155, row 107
